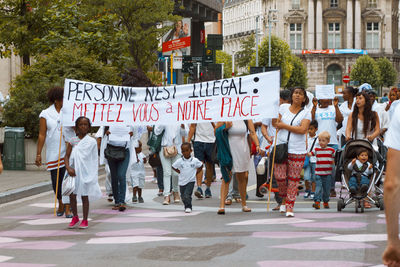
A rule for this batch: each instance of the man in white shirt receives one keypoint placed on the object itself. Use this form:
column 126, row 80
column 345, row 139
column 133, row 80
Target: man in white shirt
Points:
column 391, row 256
column 203, row 146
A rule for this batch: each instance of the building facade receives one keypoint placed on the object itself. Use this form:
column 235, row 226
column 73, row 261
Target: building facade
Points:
column 329, row 35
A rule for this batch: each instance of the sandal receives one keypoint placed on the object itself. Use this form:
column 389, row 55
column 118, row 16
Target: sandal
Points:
column 276, row 208
column 367, row 205
column 246, row 209
column 221, row 211
column 228, row 201
column 61, row 210
column 238, row 199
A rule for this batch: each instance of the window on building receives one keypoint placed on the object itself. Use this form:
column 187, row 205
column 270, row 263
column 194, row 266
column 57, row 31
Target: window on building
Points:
column 334, row 75
column 372, row 4
column 295, row 4
column 295, row 36
column 334, row 3
column 334, row 40
column 372, row 35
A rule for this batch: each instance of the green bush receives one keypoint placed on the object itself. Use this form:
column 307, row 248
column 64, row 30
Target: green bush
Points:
column 28, row 93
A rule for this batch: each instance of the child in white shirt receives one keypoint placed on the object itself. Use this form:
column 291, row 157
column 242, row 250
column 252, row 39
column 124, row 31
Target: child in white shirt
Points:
column 188, row 168
column 138, row 174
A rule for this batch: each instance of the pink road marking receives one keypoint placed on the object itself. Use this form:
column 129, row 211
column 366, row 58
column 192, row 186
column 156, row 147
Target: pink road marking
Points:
column 311, row 263
column 357, row 238
column 13, row 264
column 131, row 239
column 136, row 220
column 38, row 233
column 49, row 221
column 333, row 225
column 134, row 232
column 289, row 235
column 39, row 245
column 326, row 246
column 32, row 217
column 272, row 221
column 322, row 215
column 166, row 214
column 112, row 212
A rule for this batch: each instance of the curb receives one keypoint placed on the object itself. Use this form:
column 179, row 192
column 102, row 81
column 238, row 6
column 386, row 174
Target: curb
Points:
column 30, row 190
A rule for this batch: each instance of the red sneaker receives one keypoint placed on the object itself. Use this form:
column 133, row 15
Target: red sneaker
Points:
column 74, row 222
column 84, row 224
column 326, row 205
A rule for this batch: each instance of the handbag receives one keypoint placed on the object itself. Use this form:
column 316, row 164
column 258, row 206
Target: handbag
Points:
column 170, row 151
column 154, row 160
column 68, row 185
column 116, row 153
column 261, row 166
column 307, row 159
column 154, row 141
column 281, row 150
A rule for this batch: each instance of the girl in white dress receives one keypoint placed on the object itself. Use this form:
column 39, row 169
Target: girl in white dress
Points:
column 81, row 162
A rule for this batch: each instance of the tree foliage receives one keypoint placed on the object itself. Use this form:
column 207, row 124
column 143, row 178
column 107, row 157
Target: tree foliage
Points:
column 223, row 57
column 142, row 22
column 388, row 72
column 247, row 50
column 299, row 73
column 281, row 56
column 28, row 92
column 366, row 70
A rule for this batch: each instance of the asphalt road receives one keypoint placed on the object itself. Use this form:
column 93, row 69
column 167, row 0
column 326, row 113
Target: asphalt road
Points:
column 150, row 234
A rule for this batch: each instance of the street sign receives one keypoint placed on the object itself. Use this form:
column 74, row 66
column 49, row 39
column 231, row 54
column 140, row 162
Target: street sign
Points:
column 209, row 56
column 346, row 79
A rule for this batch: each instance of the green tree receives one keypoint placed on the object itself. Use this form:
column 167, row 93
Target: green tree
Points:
column 366, row 70
column 281, row 56
column 67, row 23
column 299, row 73
column 142, row 20
column 247, row 50
column 223, row 57
column 388, row 72
column 20, row 23
column 28, row 92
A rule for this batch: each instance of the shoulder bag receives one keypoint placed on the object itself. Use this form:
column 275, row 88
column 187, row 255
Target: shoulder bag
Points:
column 282, row 149
column 115, row 153
column 154, row 141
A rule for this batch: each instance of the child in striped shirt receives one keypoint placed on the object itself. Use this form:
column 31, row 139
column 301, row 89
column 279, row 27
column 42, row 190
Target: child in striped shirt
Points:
column 323, row 170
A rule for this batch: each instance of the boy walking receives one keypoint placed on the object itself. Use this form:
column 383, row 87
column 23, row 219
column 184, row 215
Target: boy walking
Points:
column 188, row 168
column 323, row 170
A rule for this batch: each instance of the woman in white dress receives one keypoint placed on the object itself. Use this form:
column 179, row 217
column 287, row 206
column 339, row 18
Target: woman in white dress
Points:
column 49, row 133
column 240, row 150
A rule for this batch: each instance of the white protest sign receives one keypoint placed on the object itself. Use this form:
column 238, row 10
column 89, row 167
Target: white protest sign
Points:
column 249, row 97
column 326, row 91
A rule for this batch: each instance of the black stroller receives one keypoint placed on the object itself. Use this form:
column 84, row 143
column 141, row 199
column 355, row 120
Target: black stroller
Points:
column 376, row 183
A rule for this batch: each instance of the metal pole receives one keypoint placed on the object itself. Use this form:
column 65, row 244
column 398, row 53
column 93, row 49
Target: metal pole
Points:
column 233, row 63
column 172, row 68
column 222, row 70
column 257, row 40
column 269, row 38
column 166, row 70
column 198, row 70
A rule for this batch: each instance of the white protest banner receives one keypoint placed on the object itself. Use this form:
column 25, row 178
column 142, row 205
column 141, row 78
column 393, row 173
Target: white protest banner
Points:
column 326, row 91
column 249, row 97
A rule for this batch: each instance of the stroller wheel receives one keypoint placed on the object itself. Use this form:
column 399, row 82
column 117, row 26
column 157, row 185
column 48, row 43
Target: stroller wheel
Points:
column 381, row 204
column 340, row 204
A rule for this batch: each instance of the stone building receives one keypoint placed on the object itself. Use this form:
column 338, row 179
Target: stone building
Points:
column 328, row 35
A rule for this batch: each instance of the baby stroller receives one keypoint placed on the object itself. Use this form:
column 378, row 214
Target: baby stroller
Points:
column 376, row 183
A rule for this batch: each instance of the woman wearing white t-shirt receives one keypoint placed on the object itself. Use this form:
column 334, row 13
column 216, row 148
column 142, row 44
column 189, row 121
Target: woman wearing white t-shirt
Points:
column 287, row 174
column 349, row 94
column 49, row 132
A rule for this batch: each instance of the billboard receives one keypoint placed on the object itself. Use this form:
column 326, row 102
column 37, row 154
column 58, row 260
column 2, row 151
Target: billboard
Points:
column 178, row 39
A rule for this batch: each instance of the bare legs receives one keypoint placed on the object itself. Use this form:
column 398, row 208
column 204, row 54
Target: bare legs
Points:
column 242, row 178
column 85, row 206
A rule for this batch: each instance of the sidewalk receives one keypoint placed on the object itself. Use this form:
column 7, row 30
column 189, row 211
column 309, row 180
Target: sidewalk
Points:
column 19, row 184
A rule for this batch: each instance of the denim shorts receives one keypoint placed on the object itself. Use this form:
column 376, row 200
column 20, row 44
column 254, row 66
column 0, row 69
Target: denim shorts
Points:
column 203, row 151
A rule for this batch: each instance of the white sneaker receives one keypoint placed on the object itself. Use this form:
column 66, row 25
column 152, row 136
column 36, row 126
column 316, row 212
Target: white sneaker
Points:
column 289, row 214
column 188, row 210
column 282, row 208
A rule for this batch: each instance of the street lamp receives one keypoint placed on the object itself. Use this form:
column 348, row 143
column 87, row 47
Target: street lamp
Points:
column 257, row 18
column 233, row 63
column 270, row 21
